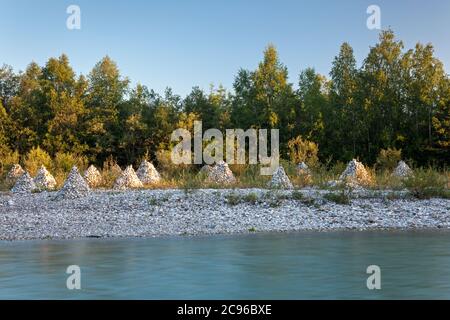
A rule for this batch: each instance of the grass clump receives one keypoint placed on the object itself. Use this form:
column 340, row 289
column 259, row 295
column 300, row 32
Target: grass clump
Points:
column 274, row 199
column 154, row 201
column 235, row 199
column 338, row 197
column 251, row 198
column 297, row 195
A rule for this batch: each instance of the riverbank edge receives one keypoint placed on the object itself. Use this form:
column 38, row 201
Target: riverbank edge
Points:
column 316, row 194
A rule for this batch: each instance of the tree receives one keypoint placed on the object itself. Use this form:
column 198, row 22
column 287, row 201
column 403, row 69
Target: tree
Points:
column 105, row 94
column 243, row 107
column 270, row 80
column 63, row 97
column 312, row 93
column 132, row 142
column 381, row 94
column 344, row 121
column 28, row 130
column 9, row 85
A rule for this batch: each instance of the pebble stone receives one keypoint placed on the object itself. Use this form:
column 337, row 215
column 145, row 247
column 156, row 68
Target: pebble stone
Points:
column 149, row 213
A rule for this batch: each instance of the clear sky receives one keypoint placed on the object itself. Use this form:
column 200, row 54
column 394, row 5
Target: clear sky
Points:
column 201, row 42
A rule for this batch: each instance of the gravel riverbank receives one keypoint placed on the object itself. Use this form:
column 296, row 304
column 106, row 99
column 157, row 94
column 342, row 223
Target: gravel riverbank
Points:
column 147, row 213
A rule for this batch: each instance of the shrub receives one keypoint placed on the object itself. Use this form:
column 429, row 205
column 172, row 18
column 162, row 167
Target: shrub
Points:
column 35, row 158
column 165, row 164
column 111, row 171
column 64, row 162
column 7, row 159
column 303, row 151
column 388, row 158
column 427, row 183
column 322, row 174
column 249, row 175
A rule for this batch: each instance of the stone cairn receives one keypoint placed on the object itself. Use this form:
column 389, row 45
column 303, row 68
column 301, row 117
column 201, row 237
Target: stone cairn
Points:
column 355, row 174
column 205, row 170
column 303, row 169
column 24, row 184
column 402, row 170
column 116, row 169
column 93, row 177
column 74, row 187
column 128, row 180
column 304, row 173
column 15, row 173
column 44, row 180
column 147, row 173
column 280, row 180
column 220, row 174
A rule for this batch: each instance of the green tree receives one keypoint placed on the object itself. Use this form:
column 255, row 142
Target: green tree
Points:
column 105, row 93
column 132, row 143
column 382, row 93
column 28, row 130
column 344, row 119
column 312, row 93
column 63, row 97
column 270, row 80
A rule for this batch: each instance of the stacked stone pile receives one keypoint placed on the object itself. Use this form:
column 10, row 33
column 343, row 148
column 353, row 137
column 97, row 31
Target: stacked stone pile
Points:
column 24, row 184
column 205, row 170
column 74, row 186
column 303, row 169
column 221, row 174
column 402, row 170
column 44, row 180
column 128, row 180
column 355, row 174
column 93, row 177
column 280, row 179
column 15, row 173
column 147, row 173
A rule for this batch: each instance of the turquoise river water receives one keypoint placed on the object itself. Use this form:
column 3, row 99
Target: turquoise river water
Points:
column 307, row 265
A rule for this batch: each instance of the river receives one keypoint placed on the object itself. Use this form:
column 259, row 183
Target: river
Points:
column 305, row 265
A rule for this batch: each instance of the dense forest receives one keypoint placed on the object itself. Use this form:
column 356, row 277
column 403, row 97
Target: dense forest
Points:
column 397, row 98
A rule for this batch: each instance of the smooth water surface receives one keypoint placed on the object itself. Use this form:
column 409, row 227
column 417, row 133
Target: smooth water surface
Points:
column 259, row 266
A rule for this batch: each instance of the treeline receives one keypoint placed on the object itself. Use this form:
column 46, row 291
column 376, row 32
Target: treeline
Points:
column 397, row 98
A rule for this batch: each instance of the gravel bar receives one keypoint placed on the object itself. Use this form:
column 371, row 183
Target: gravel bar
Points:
column 150, row 213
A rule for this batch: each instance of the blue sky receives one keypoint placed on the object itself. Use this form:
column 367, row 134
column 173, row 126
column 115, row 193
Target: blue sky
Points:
column 201, row 42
